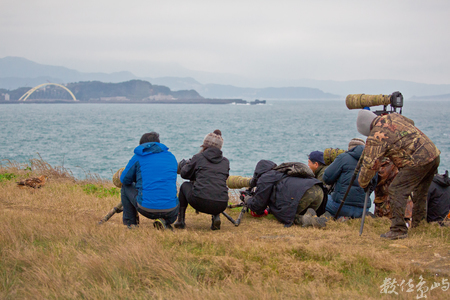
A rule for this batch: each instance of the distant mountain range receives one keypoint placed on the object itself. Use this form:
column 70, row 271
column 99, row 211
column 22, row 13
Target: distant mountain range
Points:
column 16, row 72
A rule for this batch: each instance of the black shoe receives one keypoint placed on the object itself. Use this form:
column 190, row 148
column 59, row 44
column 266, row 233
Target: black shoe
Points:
column 180, row 223
column 215, row 225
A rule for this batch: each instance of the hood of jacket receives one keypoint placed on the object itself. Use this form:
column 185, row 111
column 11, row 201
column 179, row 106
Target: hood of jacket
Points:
column 356, row 152
column 442, row 180
column 150, row 148
column 213, row 154
column 262, row 167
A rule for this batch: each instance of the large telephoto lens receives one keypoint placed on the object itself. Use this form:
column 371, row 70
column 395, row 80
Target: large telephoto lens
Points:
column 358, row 101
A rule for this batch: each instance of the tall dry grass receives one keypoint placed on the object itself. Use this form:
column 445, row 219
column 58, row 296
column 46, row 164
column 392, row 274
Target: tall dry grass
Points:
column 52, row 248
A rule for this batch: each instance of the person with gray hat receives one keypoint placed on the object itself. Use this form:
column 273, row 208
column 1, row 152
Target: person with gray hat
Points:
column 207, row 172
column 394, row 136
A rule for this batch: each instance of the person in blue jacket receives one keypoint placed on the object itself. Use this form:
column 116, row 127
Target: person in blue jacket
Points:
column 149, row 184
column 340, row 173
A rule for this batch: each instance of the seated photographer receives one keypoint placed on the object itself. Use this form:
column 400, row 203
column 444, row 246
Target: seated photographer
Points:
column 149, row 184
column 317, row 164
column 438, row 199
column 207, row 189
column 288, row 196
column 340, row 173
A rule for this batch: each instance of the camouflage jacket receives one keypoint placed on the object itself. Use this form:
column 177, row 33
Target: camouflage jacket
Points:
column 395, row 136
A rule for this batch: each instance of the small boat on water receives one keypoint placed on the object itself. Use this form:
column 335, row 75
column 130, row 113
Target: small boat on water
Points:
column 257, row 102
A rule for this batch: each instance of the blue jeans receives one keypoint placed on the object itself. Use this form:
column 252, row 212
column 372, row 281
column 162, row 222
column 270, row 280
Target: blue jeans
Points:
column 346, row 210
column 130, row 208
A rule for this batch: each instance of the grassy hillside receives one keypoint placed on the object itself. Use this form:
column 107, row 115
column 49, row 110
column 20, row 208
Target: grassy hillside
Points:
column 52, row 248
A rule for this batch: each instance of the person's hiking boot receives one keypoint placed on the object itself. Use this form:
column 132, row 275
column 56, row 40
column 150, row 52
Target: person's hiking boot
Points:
column 319, row 222
column 310, row 219
column 215, row 224
column 394, row 235
column 327, row 215
column 343, row 219
column 160, row 224
column 306, row 219
column 180, row 223
column 132, row 226
column 369, row 214
column 310, row 212
column 298, row 220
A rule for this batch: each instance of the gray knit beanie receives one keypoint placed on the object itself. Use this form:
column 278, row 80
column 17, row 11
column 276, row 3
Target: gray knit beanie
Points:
column 363, row 121
column 355, row 142
column 213, row 139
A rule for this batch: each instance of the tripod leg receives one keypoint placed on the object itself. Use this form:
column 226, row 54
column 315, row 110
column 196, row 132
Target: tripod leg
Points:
column 230, row 218
column 111, row 213
column 238, row 220
column 364, row 212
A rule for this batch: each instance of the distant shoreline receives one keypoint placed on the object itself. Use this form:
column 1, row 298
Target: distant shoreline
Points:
column 185, row 101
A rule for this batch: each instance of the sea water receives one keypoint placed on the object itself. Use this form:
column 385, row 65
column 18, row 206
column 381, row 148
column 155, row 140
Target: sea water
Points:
column 100, row 138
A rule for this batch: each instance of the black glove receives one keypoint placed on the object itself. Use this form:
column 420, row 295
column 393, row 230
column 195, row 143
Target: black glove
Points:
column 181, row 165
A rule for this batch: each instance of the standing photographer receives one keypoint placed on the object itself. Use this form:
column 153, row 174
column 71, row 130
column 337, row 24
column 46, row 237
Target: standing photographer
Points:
column 412, row 152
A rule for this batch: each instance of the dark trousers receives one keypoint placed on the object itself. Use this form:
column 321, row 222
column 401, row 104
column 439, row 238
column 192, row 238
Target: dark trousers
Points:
column 130, row 208
column 212, row 207
column 414, row 182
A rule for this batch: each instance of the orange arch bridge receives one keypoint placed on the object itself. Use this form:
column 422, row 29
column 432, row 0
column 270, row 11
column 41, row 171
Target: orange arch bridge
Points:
column 31, row 91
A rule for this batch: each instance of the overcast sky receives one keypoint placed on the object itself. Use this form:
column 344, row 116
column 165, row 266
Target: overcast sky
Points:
column 320, row 39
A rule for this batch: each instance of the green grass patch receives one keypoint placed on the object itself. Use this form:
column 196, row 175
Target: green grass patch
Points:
column 7, row 177
column 100, row 191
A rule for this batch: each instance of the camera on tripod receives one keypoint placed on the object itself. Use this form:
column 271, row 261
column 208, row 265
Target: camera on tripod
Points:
column 359, row 101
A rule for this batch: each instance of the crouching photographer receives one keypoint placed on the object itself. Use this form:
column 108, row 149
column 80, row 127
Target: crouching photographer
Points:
column 207, row 172
column 289, row 190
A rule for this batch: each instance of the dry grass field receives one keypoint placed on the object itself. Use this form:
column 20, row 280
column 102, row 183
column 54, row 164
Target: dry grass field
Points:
column 51, row 247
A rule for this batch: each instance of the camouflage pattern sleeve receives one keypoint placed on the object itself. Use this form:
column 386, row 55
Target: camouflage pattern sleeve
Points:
column 371, row 159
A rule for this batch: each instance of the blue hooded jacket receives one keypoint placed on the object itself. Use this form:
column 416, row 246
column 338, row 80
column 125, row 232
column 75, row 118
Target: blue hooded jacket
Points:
column 154, row 170
column 340, row 172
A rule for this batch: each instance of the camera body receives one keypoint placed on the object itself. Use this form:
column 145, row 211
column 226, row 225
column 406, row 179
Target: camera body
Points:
column 245, row 193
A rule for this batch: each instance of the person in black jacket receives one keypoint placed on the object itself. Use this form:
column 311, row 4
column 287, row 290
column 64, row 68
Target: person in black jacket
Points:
column 207, row 189
column 288, row 197
column 438, row 198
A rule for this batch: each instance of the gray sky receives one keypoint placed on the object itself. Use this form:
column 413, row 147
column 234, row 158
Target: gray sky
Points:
column 320, row 39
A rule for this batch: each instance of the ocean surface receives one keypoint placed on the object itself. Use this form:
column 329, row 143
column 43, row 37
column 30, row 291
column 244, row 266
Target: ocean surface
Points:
column 100, row 138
